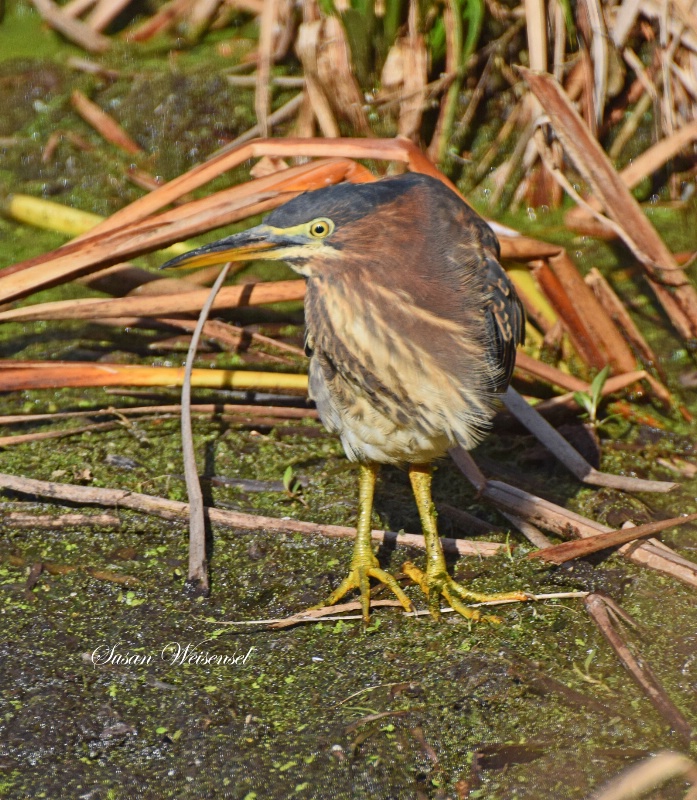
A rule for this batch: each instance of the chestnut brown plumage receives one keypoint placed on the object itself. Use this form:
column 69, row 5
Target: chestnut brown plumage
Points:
column 411, row 329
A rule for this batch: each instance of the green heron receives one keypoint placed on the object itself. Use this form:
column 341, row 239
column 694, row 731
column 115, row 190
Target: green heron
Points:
column 411, row 328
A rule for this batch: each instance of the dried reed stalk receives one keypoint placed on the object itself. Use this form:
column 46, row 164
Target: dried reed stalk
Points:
column 249, row 294
column 20, row 375
column 606, row 614
column 71, row 28
column 671, row 286
column 175, row 510
column 197, row 578
column 602, row 541
column 548, row 516
column 104, row 13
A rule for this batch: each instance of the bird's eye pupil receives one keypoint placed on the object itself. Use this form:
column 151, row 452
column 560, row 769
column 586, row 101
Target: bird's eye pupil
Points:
column 321, row 228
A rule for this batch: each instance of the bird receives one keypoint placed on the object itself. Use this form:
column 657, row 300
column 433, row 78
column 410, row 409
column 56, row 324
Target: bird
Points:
column 411, row 328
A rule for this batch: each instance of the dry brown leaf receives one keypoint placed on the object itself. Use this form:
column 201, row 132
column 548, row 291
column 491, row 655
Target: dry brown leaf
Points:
column 601, row 327
column 103, row 123
column 618, row 313
column 335, row 75
column 306, row 47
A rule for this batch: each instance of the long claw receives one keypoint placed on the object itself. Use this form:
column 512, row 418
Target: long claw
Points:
column 364, row 565
column 437, row 585
column 435, row 581
column 359, row 578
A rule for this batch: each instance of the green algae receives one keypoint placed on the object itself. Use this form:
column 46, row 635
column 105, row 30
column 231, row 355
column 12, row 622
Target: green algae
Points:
column 288, row 717
column 24, row 35
column 404, row 709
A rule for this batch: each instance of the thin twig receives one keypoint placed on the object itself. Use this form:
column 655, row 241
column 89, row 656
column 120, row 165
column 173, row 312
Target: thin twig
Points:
column 197, row 580
column 282, row 81
column 328, row 613
column 282, row 412
column 16, row 519
column 24, row 438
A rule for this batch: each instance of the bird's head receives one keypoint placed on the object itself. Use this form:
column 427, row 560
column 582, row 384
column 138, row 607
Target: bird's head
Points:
column 327, row 227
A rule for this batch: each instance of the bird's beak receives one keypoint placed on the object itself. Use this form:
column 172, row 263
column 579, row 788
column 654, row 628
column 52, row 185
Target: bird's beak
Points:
column 262, row 241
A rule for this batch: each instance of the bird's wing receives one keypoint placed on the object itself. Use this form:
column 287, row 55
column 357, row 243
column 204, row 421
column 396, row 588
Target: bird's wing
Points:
column 505, row 321
column 308, row 343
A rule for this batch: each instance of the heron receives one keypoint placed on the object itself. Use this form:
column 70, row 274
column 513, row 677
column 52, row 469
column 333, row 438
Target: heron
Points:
column 412, row 326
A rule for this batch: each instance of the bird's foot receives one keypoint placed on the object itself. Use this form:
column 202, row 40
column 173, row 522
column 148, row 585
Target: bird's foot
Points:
column 439, row 583
column 359, row 578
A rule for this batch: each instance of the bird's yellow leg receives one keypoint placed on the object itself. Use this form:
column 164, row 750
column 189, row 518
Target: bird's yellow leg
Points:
column 364, row 564
column 435, row 581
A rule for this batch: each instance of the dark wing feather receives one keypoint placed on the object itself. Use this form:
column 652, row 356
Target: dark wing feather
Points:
column 505, row 321
column 308, row 343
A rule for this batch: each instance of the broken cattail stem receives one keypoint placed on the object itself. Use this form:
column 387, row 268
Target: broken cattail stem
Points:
column 571, row 458
column 602, row 541
column 599, row 324
column 582, row 339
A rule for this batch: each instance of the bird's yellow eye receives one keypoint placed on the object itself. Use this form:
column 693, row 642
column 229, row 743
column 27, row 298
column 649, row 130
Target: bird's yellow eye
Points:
column 319, row 228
